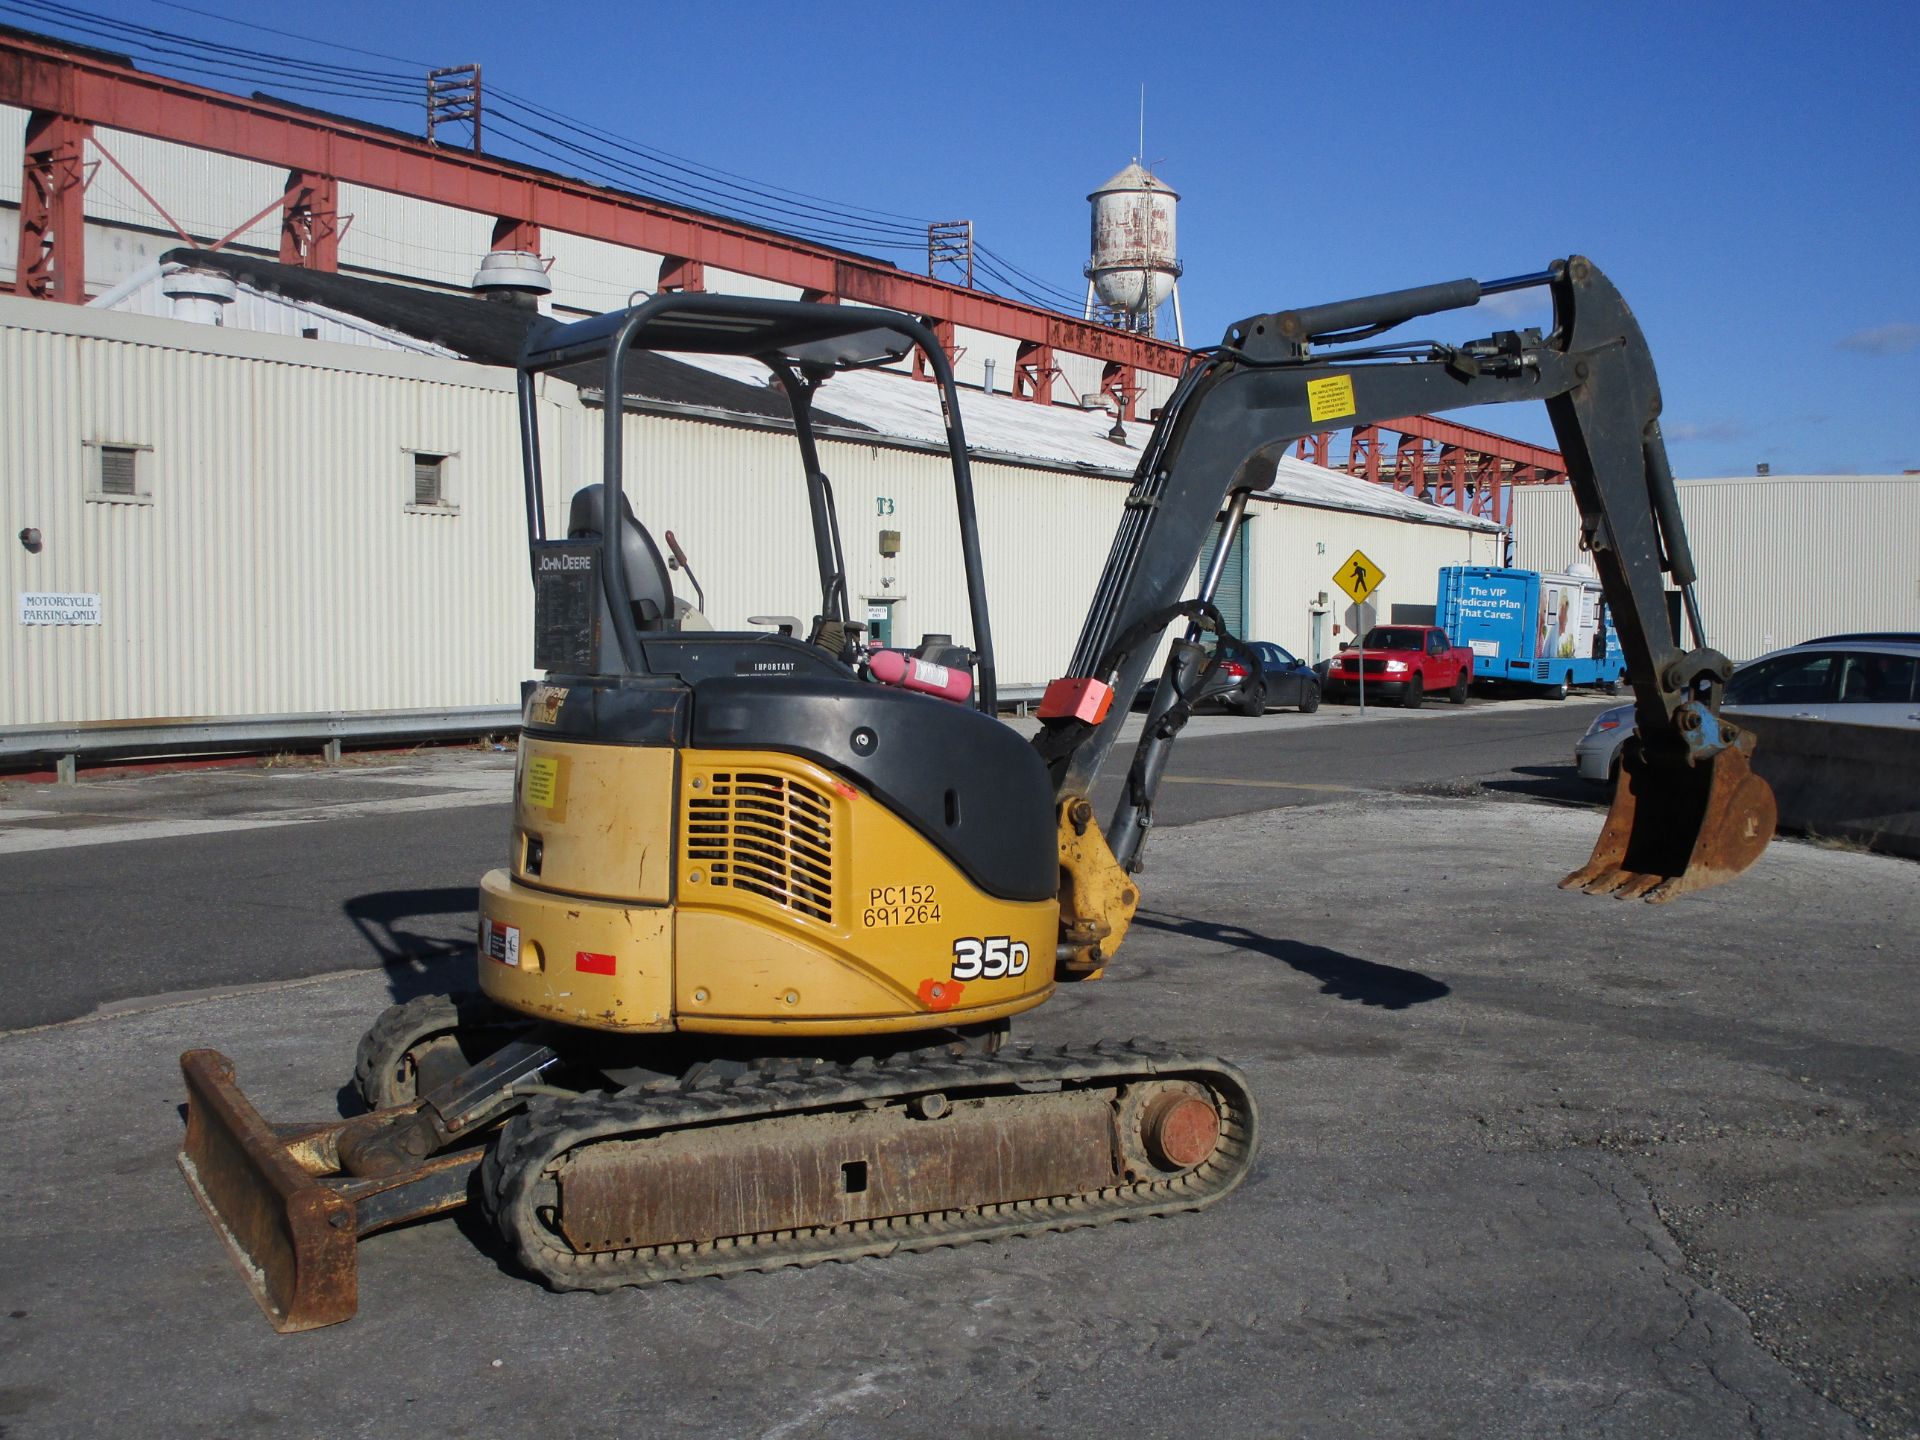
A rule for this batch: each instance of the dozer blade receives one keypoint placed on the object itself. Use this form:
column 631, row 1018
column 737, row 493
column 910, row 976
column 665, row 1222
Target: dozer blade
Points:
column 291, row 1201
column 1675, row 828
column 291, row 1237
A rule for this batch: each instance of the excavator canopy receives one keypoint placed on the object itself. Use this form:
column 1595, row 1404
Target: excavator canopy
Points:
column 812, row 338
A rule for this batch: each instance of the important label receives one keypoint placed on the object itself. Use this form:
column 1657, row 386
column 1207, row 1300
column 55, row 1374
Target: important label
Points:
column 1330, row 398
column 45, row 607
column 500, row 942
column 542, row 784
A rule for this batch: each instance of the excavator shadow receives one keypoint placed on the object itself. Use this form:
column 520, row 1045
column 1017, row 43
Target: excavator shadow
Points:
column 1345, row 977
column 1560, row 784
column 419, row 959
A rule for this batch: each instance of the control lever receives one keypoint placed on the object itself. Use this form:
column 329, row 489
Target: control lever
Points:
column 679, row 562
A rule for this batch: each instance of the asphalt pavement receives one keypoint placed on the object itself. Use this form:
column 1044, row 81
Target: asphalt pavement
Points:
column 1533, row 1163
column 129, row 887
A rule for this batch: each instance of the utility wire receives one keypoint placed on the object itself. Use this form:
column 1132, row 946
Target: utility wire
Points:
column 1040, row 291
column 290, row 35
column 1046, row 286
column 719, row 191
column 665, row 156
column 542, row 131
column 572, row 153
column 167, row 42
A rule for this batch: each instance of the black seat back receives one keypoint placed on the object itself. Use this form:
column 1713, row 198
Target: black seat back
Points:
column 647, row 579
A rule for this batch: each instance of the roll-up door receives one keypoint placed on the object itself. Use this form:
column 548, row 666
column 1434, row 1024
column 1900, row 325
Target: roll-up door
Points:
column 1231, row 596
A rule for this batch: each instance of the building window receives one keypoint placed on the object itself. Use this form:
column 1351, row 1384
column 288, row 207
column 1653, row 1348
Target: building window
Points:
column 119, row 473
column 432, row 471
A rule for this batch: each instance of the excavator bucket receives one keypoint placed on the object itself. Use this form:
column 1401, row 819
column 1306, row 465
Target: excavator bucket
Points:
column 1676, row 827
column 291, row 1237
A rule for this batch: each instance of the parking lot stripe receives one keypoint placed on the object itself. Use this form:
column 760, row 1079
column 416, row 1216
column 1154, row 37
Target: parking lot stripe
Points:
column 1261, row 784
column 15, row 841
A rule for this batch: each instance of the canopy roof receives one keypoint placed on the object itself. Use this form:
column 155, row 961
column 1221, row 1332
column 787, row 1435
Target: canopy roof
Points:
column 812, row 338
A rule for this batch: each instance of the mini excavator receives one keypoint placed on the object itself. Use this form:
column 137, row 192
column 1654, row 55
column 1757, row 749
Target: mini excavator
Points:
column 744, row 986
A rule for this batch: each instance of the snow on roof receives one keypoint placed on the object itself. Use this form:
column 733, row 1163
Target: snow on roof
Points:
column 890, row 403
column 254, row 309
column 1020, row 432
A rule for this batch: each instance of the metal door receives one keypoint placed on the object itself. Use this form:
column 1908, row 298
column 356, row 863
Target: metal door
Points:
column 1231, row 596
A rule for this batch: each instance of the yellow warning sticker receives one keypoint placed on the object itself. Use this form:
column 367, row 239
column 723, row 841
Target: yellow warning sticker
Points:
column 1330, row 398
column 542, row 784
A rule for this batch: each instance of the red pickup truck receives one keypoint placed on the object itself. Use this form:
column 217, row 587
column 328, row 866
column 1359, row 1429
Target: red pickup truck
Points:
column 1402, row 662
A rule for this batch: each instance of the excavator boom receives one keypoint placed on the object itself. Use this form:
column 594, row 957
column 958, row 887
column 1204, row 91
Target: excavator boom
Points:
column 1689, row 811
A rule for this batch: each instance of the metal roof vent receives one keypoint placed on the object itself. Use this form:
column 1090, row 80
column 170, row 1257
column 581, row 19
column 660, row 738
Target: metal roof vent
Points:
column 201, row 296
column 516, row 277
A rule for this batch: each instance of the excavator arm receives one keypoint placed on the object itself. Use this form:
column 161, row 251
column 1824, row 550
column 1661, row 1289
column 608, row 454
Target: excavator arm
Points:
column 1688, row 813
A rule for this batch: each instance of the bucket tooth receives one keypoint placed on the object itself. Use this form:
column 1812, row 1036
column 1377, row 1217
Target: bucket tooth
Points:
column 1676, row 827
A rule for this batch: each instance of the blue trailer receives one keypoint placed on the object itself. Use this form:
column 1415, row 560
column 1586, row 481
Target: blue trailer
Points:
column 1547, row 632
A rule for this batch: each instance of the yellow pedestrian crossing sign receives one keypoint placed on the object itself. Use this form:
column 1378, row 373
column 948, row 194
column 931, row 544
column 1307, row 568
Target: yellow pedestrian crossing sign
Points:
column 1359, row 577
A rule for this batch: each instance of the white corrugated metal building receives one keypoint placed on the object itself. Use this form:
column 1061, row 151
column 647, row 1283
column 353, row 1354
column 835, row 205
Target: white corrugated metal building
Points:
column 1781, row 558
column 400, row 237
column 272, row 558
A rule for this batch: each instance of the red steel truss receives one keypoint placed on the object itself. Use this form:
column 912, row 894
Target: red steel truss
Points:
column 53, row 186
column 70, row 92
column 1443, row 462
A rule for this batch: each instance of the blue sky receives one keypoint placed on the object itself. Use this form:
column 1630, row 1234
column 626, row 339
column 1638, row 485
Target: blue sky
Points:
column 1747, row 173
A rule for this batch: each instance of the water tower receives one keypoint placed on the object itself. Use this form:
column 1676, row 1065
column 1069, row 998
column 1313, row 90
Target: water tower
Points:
column 1134, row 268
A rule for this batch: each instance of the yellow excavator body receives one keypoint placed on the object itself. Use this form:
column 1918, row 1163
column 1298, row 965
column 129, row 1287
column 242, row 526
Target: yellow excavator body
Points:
column 743, row 892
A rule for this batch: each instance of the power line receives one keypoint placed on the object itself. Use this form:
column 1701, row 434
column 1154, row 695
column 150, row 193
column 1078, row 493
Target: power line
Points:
column 805, row 226
column 545, row 132
column 169, row 42
column 915, row 222
column 290, row 35
column 1010, row 274
column 752, row 195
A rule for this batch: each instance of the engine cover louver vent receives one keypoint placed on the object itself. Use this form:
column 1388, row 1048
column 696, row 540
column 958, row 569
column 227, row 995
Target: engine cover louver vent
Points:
column 769, row 835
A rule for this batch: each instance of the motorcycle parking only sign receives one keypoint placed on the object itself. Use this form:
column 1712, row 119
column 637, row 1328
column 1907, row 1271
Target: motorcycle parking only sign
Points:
column 50, row 607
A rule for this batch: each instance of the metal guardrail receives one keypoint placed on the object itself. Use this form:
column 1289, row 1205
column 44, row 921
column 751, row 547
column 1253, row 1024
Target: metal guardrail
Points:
column 1019, row 698
column 65, row 745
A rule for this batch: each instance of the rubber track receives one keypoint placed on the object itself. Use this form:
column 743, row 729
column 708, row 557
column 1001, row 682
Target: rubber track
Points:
column 400, row 1027
column 513, row 1183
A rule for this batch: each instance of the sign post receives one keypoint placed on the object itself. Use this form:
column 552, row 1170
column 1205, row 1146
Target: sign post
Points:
column 1360, row 577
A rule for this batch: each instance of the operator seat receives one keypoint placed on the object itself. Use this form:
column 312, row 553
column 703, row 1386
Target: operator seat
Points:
column 647, row 579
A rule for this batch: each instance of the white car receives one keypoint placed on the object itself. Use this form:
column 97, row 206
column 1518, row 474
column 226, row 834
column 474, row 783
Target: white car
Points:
column 1845, row 679
column 1849, row 679
column 1598, row 751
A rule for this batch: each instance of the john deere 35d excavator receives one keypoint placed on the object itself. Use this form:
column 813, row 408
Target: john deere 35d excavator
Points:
column 745, row 982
